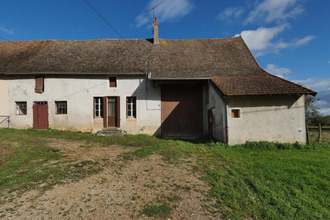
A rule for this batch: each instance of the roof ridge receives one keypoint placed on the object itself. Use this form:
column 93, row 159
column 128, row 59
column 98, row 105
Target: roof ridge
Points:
column 114, row 39
column 240, row 36
column 214, row 38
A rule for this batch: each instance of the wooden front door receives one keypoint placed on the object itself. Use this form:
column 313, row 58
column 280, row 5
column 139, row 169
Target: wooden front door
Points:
column 112, row 112
column 40, row 115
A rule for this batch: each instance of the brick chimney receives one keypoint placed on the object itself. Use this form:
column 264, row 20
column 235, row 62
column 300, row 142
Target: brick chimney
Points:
column 156, row 39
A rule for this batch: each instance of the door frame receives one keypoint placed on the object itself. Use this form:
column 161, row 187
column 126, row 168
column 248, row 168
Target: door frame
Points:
column 105, row 111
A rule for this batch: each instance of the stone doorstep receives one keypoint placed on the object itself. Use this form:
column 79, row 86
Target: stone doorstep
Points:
column 111, row 132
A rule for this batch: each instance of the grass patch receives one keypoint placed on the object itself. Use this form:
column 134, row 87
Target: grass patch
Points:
column 271, row 183
column 163, row 210
column 258, row 180
column 27, row 163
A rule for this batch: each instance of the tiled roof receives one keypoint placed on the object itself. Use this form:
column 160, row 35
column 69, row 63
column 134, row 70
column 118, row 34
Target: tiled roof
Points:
column 265, row 84
column 227, row 59
column 194, row 58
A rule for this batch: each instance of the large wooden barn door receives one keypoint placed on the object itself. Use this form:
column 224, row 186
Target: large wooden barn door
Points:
column 40, row 115
column 182, row 111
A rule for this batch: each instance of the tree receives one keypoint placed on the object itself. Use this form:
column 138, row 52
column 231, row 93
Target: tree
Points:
column 311, row 111
column 313, row 116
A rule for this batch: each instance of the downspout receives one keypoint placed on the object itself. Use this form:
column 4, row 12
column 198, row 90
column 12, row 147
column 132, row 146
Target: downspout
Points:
column 148, row 76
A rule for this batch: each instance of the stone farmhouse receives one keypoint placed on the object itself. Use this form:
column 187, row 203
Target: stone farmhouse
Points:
column 169, row 88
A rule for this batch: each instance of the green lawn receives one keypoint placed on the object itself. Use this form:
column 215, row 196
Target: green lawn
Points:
column 258, row 180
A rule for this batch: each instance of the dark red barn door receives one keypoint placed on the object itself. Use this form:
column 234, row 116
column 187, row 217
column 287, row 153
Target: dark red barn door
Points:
column 182, row 111
column 40, row 115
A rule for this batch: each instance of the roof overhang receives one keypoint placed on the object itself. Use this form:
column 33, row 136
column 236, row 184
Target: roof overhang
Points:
column 75, row 74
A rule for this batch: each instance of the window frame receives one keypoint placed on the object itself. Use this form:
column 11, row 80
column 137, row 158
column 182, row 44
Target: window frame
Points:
column 98, row 107
column 58, row 108
column 112, row 82
column 131, row 107
column 19, row 109
column 236, row 113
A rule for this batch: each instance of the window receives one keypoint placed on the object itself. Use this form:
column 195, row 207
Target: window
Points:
column 235, row 113
column 21, row 108
column 39, row 87
column 112, row 81
column 40, row 102
column 61, row 107
column 131, row 107
column 98, row 107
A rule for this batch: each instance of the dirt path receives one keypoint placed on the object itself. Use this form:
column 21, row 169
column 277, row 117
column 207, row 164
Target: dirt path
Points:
column 121, row 191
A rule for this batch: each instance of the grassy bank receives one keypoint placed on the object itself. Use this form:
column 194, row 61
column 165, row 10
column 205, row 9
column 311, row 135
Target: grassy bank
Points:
column 26, row 163
column 257, row 180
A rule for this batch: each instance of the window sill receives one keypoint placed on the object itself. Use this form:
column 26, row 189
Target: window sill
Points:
column 131, row 118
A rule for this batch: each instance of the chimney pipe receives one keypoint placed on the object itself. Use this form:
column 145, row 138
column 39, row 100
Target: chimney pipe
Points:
column 156, row 39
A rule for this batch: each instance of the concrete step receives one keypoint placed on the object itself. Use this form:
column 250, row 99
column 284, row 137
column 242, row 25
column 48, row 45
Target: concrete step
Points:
column 110, row 132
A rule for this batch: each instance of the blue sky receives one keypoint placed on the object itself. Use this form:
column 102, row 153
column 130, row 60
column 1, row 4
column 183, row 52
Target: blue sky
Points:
column 289, row 38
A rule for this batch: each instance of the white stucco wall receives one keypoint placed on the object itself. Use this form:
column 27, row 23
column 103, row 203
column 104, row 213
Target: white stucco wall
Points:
column 79, row 93
column 4, row 100
column 218, row 106
column 267, row 118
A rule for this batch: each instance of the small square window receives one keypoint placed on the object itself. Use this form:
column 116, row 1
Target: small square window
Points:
column 61, row 107
column 21, row 108
column 235, row 113
column 131, row 107
column 112, row 81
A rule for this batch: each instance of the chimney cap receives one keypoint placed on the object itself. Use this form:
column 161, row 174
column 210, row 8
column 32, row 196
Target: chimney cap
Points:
column 155, row 23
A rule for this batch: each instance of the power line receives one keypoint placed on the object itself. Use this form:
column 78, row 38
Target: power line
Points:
column 5, row 39
column 94, row 9
column 153, row 10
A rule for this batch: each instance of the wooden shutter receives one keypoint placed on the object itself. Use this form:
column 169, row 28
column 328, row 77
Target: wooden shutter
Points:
column 118, row 111
column 105, row 114
column 39, row 87
column 35, row 117
column 93, row 107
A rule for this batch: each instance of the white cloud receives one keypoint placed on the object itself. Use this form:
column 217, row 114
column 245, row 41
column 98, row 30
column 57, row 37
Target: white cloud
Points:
column 166, row 11
column 304, row 40
column 324, row 111
column 262, row 40
column 274, row 10
column 324, row 102
column 315, row 83
column 6, row 30
column 278, row 71
column 329, row 61
column 230, row 14
column 141, row 20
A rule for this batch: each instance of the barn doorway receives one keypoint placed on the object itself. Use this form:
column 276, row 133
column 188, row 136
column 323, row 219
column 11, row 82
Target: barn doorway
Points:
column 182, row 111
column 40, row 115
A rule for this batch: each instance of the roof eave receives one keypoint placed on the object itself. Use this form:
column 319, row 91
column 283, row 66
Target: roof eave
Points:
column 73, row 73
